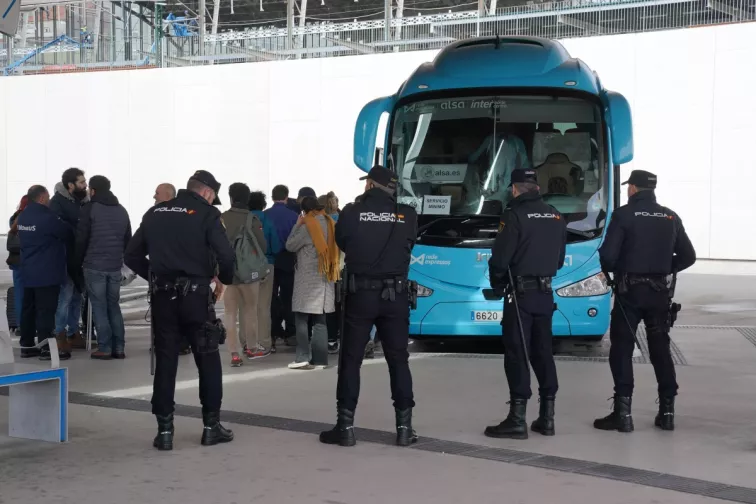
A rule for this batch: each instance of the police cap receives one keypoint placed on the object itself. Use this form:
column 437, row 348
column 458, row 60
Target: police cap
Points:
column 642, row 179
column 524, row 176
column 382, row 176
column 205, row 177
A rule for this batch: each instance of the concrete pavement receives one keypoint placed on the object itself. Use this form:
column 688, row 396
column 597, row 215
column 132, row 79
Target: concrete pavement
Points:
column 460, row 388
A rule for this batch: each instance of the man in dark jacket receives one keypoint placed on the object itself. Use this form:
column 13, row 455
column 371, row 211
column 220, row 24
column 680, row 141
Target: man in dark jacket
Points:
column 103, row 232
column 70, row 194
column 43, row 238
column 283, row 219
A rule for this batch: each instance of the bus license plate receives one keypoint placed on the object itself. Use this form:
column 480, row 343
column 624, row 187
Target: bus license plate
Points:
column 486, row 316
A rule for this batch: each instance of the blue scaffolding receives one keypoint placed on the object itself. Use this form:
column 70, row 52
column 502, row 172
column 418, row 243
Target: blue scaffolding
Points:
column 60, row 41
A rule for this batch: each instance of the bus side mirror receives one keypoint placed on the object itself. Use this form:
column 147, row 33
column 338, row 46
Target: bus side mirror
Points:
column 366, row 129
column 621, row 127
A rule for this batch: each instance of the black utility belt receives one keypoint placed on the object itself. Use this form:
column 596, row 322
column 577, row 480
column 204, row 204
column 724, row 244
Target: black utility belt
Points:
column 525, row 284
column 182, row 284
column 656, row 282
column 357, row 283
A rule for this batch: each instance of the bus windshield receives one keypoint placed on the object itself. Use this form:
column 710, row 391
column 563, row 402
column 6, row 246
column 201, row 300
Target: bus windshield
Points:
column 455, row 157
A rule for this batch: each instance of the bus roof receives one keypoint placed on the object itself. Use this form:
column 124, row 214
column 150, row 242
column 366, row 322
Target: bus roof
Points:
column 492, row 62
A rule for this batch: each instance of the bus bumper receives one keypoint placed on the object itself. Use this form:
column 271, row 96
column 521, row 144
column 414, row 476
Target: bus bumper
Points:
column 574, row 317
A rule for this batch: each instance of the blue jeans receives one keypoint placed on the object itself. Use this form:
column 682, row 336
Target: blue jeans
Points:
column 18, row 293
column 69, row 309
column 104, row 289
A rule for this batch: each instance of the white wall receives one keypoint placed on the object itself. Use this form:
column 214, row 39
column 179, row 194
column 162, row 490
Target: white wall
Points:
column 292, row 123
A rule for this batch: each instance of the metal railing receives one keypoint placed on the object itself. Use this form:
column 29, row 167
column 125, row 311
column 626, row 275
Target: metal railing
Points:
column 556, row 20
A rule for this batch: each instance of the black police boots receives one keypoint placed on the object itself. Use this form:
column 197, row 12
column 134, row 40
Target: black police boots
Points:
column 405, row 434
column 164, row 439
column 544, row 424
column 343, row 433
column 665, row 420
column 620, row 419
column 514, row 426
column 214, row 432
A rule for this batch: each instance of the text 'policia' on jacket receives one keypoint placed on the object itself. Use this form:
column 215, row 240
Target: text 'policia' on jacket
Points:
column 365, row 227
column 179, row 236
column 43, row 238
column 645, row 238
column 531, row 240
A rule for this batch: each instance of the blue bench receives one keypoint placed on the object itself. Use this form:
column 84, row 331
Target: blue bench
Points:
column 38, row 397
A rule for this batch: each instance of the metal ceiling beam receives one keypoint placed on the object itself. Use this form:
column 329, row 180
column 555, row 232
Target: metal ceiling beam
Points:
column 580, row 25
column 355, row 46
column 722, row 7
column 465, row 17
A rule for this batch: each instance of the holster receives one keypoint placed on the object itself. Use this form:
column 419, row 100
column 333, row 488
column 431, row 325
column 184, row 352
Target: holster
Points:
column 179, row 287
column 525, row 284
column 674, row 309
column 212, row 333
column 412, row 294
column 389, row 287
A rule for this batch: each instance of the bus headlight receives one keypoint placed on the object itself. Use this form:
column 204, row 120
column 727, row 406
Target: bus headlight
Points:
column 592, row 286
column 423, row 291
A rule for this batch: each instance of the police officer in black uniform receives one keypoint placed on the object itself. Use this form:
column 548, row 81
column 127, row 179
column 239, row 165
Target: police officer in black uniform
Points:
column 645, row 243
column 527, row 253
column 377, row 236
column 186, row 243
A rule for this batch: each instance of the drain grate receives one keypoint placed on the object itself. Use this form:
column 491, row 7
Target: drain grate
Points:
column 737, row 494
column 628, row 474
column 502, row 455
column 577, row 466
column 687, row 485
column 749, row 333
column 447, row 447
column 559, row 463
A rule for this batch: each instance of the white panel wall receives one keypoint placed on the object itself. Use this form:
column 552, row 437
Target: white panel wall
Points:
column 292, row 123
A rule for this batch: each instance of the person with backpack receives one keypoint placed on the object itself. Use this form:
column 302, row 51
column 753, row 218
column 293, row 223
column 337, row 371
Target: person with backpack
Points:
column 313, row 240
column 257, row 204
column 245, row 232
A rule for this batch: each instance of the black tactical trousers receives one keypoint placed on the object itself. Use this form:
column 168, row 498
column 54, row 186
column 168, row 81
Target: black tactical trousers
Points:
column 178, row 318
column 641, row 302
column 363, row 310
column 536, row 311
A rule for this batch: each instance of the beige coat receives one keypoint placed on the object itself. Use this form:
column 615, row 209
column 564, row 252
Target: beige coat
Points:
column 312, row 292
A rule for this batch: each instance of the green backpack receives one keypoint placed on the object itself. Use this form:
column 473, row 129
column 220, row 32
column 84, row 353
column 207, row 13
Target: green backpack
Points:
column 251, row 263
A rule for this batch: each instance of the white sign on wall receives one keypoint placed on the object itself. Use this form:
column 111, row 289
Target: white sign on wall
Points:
column 436, row 205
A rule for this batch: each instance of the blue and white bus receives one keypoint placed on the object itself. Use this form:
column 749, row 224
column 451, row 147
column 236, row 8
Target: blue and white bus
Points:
column 456, row 129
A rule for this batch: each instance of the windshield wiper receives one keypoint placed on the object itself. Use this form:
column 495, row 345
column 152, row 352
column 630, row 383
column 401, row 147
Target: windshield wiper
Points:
column 587, row 233
column 439, row 219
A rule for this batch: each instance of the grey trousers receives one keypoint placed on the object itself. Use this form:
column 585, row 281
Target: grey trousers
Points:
column 315, row 351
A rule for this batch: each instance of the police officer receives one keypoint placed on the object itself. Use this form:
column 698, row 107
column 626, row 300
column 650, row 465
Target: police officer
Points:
column 527, row 253
column 377, row 236
column 644, row 244
column 185, row 241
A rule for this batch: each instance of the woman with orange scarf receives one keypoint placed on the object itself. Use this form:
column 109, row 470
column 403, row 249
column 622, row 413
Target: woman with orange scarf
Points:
column 313, row 241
